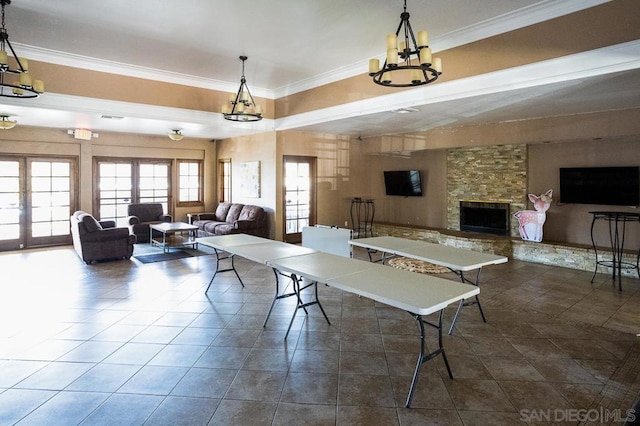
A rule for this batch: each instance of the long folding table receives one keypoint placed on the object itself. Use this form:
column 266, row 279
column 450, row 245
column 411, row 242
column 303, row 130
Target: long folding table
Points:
column 420, row 295
column 222, row 243
column 262, row 250
column 455, row 259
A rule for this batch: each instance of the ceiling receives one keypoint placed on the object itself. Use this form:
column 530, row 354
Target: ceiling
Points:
column 297, row 45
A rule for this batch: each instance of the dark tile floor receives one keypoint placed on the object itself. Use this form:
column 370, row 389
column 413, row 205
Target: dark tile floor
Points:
column 130, row 343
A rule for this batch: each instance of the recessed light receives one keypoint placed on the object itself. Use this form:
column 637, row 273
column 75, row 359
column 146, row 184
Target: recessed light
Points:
column 404, row 110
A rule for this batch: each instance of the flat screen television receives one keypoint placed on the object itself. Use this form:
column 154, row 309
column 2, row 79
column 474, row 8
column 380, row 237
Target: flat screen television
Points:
column 612, row 186
column 406, row 183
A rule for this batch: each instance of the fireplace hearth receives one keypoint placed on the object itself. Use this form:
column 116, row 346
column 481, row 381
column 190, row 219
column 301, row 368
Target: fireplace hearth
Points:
column 485, row 216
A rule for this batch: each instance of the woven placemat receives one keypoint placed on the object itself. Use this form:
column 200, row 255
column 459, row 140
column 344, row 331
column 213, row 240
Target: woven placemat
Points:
column 414, row 265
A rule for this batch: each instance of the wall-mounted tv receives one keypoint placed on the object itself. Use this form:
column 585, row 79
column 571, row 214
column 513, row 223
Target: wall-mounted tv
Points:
column 612, row 186
column 406, row 183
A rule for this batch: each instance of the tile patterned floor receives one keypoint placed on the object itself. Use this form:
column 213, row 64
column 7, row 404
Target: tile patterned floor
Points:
column 142, row 344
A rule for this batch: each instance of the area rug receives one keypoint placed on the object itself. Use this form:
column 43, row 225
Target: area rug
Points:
column 414, row 265
column 147, row 253
column 161, row 257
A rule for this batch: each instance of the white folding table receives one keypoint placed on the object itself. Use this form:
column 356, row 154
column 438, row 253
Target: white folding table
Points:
column 263, row 250
column 417, row 294
column 456, row 259
column 221, row 245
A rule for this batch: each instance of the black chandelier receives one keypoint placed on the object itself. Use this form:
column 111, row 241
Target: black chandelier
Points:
column 23, row 87
column 409, row 61
column 241, row 105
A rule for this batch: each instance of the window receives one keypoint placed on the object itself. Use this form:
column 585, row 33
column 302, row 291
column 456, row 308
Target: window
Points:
column 224, row 180
column 153, row 183
column 190, row 183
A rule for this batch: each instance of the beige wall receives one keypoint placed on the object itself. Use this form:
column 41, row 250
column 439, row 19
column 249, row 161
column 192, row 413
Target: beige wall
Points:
column 572, row 222
column 352, row 168
column 577, row 32
column 430, row 210
column 262, row 148
column 565, row 223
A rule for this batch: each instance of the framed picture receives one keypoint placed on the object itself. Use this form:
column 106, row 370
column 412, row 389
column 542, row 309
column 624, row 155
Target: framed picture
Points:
column 250, row 179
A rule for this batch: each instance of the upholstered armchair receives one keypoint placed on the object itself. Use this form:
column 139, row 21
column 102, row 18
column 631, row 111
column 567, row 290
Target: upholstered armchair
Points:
column 95, row 240
column 141, row 215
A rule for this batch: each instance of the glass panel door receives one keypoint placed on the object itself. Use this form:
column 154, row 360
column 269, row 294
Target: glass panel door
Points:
column 11, row 203
column 115, row 186
column 49, row 201
column 299, row 196
column 37, row 196
column 154, row 184
column 126, row 181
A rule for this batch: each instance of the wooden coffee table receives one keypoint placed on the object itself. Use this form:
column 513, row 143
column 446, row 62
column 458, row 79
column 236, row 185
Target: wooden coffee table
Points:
column 174, row 234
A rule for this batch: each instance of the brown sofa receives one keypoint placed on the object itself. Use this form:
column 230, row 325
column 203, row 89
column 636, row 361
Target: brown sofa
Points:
column 232, row 218
column 95, row 240
column 141, row 215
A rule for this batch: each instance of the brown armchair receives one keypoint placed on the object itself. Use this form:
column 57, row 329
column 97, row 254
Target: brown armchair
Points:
column 141, row 215
column 95, row 240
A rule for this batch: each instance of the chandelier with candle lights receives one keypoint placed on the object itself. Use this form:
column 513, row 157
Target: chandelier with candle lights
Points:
column 23, row 86
column 409, row 61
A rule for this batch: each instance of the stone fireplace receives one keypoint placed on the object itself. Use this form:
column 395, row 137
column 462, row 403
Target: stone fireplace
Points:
column 485, row 217
column 490, row 173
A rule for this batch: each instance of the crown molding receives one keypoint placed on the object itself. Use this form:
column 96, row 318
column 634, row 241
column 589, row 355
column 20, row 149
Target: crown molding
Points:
column 112, row 67
column 617, row 58
column 530, row 15
column 520, row 18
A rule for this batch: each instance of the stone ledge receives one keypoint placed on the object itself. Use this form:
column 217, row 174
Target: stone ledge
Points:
column 566, row 255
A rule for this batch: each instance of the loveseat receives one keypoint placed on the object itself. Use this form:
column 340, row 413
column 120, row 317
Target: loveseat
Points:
column 141, row 215
column 232, row 218
column 95, row 240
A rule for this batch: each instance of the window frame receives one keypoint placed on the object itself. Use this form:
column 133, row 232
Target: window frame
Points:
column 224, row 164
column 200, row 201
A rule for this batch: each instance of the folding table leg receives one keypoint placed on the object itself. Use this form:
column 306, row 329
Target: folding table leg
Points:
column 278, row 295
column 473, row 302
column 220, row 257
column 298, row 289
column 424, row 357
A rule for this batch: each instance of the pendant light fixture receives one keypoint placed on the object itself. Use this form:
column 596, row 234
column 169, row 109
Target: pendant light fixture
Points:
column 241, row 106
column 22, row 86
column 5, row 123
column 175, row 135
column 409, row 61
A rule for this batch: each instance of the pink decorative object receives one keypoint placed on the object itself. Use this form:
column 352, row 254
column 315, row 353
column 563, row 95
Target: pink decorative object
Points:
column 531, row 221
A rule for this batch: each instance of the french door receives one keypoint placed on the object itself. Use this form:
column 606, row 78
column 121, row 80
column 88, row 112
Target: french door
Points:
column 299, row 196
column 120, row 182
column 37, row 196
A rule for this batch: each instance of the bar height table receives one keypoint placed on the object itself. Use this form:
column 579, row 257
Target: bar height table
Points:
column 617, row 222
